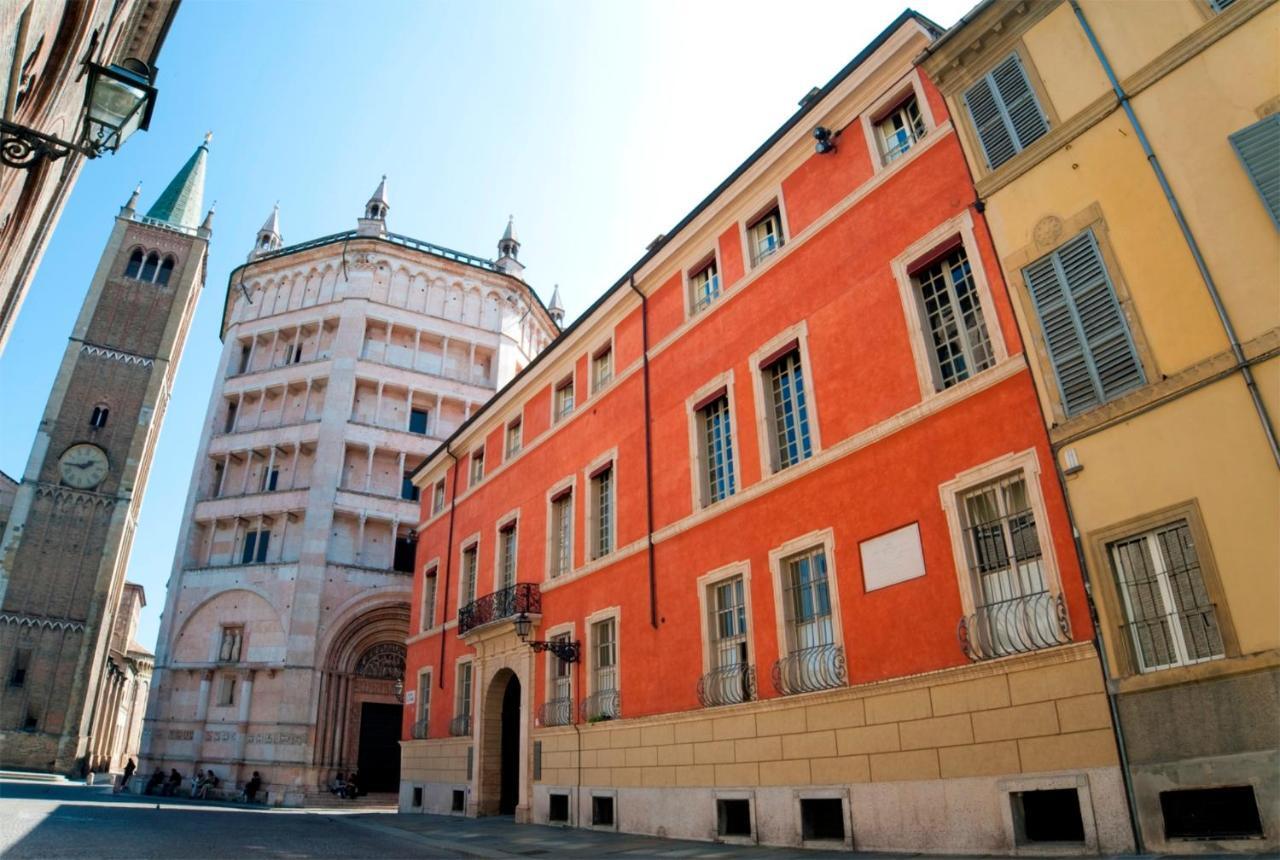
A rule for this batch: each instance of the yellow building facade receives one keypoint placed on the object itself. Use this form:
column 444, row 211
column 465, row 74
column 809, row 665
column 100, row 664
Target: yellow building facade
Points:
column 1127, row 154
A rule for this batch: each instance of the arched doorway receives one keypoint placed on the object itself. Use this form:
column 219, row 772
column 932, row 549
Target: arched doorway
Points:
column 499, row 789
column 509, row 794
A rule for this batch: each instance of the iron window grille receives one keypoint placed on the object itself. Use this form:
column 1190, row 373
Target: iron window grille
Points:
column 558, row 710
column 789, row 415
column 899, row 130
column 602, row 500
column 1015, row 611
column 603, row 703
column 1170, row 618
column 765, row 235
column 420, row 729
column 732, row 678
column 561, row 534
column 814, row 661
column 704, row 286
column 716, row 440
column 957, row 332
column 460, row 726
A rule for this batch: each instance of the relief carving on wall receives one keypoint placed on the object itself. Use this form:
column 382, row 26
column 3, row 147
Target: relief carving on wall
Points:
column 384, row 662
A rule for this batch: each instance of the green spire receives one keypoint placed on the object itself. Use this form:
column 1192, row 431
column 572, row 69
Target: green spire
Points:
column 181, row 201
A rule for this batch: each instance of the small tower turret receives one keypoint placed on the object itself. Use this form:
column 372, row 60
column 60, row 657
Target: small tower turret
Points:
column 374, row 222
column 556, row 308
column 269, row 238
column 508, row 261
column 132, row 206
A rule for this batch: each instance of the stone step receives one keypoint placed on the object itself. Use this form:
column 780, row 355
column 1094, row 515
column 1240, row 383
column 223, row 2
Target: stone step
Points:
column 31, row 776
column 375, row 800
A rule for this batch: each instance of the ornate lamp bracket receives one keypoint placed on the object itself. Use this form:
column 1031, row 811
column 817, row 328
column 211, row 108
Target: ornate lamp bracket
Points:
column 569, row 652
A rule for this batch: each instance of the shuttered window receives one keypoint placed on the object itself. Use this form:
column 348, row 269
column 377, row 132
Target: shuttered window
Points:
column 1259, row 148
column 1005, row 112
column 1220, row 5
column 1084, row 329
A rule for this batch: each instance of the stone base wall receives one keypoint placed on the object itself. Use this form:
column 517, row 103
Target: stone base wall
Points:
column 34, row 751
column 438, row 766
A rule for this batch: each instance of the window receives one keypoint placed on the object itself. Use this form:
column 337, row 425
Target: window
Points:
column 952, row 319
column 408, row 490
column 98, row 419
column 418, row 421
column 230, row 424
column 1085, row 331
column 603, row 702
column 227, row 690
column 1220, row 5
column 270, row 479
column 788, row 414
column 437, row 497
column 564, row 399
column 601, row 811
column 458, row 799
column 477, row 467
column 469, row 559
column 601, row 368
column 1171, row 620
column 166, row 270
column 255, row 547
column 1229, row 812
column 561, row 537
column 429, row 582
column 558, row 809
column 729, row 681
column 149, row 267
column 733, row 816
column 134, row 266
column 1259, row 149
column 807, row 601
column 821, row 818
column 246, row 351
column 461, row 725
column 1005, row 112
column 1047, row 815
column 18, row 672
column 704, row 286
column 764, row 236
column 515, row 437
column 421, row 725
column 406, row 549
column 507, row 556
column 715, row 441
column 899, row 130
column 602, row 512
column 559, row 708
column 232, row 640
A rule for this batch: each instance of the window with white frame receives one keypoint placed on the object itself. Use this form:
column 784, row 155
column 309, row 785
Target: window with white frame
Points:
column 561, row 538
column 601, row 368
column 477, row 467
column 602, row 512
column 564, row 399
column 788, row 411
column 558, row 710
column 437, row 497
column 952, row 319
column 704, row 286
column 715, row 443
column 470, row 557
column 1170, row 617
column 730, row 680
column 899, row 129
column 764, row 236
column 1005, row 111
column 814, row 660
column 461, row 725
column 507, row 555
column 429, row 582
column 603, row 703
column 515, row 437
column 421, row 725
column 229, row 648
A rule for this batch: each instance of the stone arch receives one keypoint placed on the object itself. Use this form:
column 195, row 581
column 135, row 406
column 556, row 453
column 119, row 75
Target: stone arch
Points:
column 398, row 292
column 491, row 315
column 471, row 306
column 196, row 638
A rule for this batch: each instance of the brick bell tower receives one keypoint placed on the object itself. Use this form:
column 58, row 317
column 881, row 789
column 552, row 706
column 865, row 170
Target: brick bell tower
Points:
column 66, row 547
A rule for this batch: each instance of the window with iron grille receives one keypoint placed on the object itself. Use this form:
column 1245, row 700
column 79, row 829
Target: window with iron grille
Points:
column 437, row 497
column 1003, row 546
column 951, row 313
column 1259, row 149
column 424, row 705
column 229, row 649
column 429, row 582
column 704, row 286
column 715, row 438
column 1085, row 331
column 515, row 437
column 564, row 399
column 469, row 560
column 788, row 414
column 601, row 368
column 605, row 643
column 462, row 696
column 730, row 680
column 507, row 556
column 1171, row 619
column 559, row 711
column 765, row 236
column 1005, row 112
column 562, row 534
column 899, row 130
column 602, row 512
column 477, row 467
column 807, row 601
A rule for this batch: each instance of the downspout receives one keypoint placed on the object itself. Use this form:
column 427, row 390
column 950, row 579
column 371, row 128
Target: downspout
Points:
column 648, row 452
column 448, row 558
column 1242, row 363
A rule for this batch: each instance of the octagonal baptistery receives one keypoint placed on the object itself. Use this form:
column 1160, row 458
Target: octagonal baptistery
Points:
column 346, row 360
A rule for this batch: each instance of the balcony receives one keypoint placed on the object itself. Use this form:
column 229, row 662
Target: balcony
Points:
column 460, row 726
column 556, row 712
column 1018, row 625
column 507, row 603
column 808, row 670
column 728, row 685
column 602, row 705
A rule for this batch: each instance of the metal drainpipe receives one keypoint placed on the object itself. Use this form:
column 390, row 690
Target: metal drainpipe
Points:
column 648, row 453
column 1242, row 363
column 448, row 558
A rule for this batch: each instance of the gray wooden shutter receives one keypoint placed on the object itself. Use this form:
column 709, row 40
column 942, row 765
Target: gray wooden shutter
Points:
column 1084, row 329
column 1005, row 112
column 1219, row 5
column 1259, row 148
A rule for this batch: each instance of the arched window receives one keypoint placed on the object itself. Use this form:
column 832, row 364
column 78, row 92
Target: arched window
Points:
column 135, row 264
column 149, row 268
column 99, row 418
column 166, row 269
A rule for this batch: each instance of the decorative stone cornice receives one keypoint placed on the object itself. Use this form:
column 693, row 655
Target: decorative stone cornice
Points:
column 61, row 494
column 116, row 355
column 19, row 619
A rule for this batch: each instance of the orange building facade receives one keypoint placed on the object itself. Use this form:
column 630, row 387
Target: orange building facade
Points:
column 786, row 488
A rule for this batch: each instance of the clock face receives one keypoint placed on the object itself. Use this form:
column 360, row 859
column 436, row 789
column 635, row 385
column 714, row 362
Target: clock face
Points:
column 83, row 466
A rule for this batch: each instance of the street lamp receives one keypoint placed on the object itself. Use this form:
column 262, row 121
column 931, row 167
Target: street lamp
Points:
column 118, row 100
column 399, row 690
column 567, row 651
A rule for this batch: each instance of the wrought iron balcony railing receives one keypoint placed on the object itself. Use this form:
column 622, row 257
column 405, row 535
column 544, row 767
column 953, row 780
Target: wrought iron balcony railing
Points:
column 1177, row 639
column 1014, row 626
column 728, row 685
column 821, row 667
column 506, row 603
column 420, row 730
column 460, row 726
column 602, row 705
column 556, row 712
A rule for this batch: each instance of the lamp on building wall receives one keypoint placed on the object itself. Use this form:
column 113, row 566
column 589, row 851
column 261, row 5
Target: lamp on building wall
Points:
column 826, row 140
column 399, row 690
column 118, row 100
column 567, row 651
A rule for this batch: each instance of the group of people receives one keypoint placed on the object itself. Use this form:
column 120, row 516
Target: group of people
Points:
column 201, row 784
column 346, row 787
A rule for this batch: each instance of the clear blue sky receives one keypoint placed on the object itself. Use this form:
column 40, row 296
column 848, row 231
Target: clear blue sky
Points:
column 598, row 124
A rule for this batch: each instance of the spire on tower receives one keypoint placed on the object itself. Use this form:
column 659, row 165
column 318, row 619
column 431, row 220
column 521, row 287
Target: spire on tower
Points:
column 555, row 307
column 269, row 238
column 130, row 207
column 206, row 226
column 183, row 198
column 508, row 260
column 374, row 222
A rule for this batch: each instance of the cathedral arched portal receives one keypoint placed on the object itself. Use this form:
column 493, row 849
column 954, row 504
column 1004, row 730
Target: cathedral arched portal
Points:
column 358, row 724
